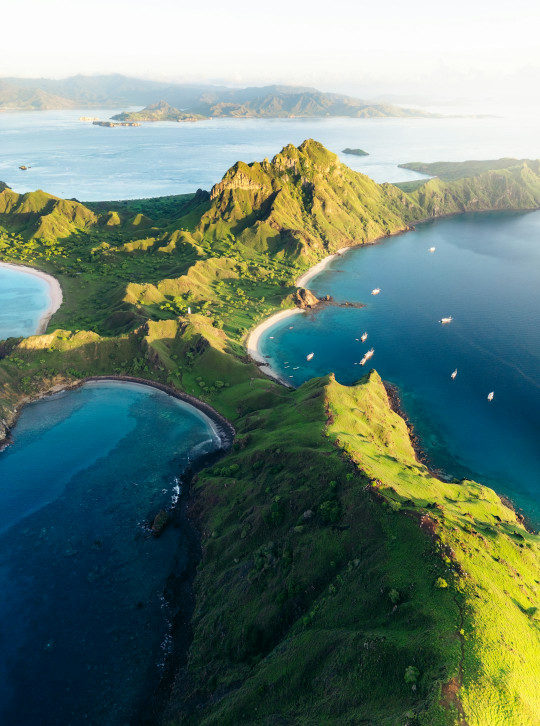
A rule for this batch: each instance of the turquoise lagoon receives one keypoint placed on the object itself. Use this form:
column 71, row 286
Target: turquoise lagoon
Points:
column 24, row 299
column 485, row 274
column 85, row 621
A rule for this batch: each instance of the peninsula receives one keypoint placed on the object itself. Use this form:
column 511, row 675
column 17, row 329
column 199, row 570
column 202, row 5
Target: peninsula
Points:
column 340, row 580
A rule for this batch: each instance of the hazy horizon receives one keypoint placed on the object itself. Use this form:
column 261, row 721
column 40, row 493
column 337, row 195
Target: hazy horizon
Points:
column 482, row 55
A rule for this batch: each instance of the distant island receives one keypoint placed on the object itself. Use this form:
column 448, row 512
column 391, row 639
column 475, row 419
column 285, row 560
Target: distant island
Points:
column 452, row 170
column 160, row 111
column 185, row 102
column 112, row 124
column 355, row 152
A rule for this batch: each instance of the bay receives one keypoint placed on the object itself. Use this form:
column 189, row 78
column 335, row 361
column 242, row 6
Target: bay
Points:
column 24, row 299
column 485, row 274
column 84, row 621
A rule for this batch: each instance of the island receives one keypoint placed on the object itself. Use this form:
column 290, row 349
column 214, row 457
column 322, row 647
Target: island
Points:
column 452, row 170
column 160, row 111
column 355, row 152
column 339, row 579
column 189, row 102
column 112, row 124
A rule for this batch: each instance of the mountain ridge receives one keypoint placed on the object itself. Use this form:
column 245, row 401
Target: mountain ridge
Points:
column 116, row 90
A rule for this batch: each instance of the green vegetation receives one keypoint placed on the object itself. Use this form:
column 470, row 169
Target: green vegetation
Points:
column 355, row 152
column 341, row 581
column 160, row 111
column 452, row 170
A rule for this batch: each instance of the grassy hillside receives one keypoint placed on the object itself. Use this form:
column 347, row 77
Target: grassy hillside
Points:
column 452, row 170
column 341, row 582
column 513, row 187
column 160, row 111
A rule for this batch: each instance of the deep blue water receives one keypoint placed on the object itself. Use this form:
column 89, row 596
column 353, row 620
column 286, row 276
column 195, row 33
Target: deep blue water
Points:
column 485, row 273
column 71, row 158
column 83, row 621
column 24, row 298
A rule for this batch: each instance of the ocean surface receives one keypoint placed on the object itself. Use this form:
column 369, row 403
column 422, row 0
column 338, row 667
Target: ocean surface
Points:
column 485, row 273
column 71, row 158
column 84, row 625
column 24, row 298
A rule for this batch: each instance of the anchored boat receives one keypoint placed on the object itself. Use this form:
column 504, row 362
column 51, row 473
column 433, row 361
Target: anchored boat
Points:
column 376, row 291
column 367, row 356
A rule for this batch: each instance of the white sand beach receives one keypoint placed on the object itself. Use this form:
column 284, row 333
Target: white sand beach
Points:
column 255, row 335
column 55, row 292
column 319, row 267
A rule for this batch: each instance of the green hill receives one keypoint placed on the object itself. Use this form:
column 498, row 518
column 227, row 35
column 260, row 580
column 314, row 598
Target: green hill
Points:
column 42, row 216
column 340, row 581
column 160, row 111
column 452, row 170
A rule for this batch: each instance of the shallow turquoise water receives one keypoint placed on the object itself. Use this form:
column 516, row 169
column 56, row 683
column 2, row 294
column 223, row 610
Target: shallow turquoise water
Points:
column 24, row 298
column 485, row 273
column 70, row 158
column 84, row 624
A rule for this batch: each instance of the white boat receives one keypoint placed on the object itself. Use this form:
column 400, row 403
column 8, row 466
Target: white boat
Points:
column 490, row 396
column 363, row 337
column 367, row 356
column 376, row 291
column 432, row 249
column 453, row 374
column 445, row 321
column 310, row 356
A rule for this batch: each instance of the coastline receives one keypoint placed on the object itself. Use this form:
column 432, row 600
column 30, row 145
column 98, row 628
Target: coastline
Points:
column 252, row 344
column 224, row 428
column 178, row 587
column 320, row 266
column 55, row 292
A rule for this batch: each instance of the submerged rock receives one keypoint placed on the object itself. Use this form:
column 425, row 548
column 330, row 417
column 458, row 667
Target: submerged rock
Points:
column 160, row 522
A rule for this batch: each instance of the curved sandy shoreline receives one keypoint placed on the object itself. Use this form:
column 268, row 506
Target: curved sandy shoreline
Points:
column 55, row 292
column 252, row 344
column 319, row 267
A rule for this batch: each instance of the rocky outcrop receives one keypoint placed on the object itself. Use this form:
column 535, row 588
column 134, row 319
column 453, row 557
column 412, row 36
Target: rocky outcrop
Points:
column 305, row 299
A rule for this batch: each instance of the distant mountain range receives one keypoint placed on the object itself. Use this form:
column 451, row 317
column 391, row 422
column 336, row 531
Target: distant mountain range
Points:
column 165, row 101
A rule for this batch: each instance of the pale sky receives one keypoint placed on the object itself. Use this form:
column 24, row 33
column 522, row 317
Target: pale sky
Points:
column 393, row 46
